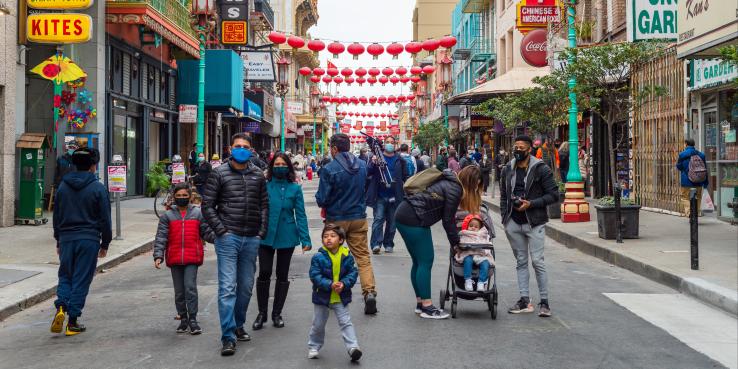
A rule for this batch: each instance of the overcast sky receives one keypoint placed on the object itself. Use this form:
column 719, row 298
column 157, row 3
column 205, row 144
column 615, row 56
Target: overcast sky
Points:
column 365, row 21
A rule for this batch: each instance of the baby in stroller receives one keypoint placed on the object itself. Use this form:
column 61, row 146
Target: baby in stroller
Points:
column 473, row 231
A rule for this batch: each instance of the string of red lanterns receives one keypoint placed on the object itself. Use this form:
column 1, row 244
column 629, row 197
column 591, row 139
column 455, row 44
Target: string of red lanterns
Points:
column 383, row 76
column 363, row 100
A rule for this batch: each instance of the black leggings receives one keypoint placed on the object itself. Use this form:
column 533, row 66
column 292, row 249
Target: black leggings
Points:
column 266, row 260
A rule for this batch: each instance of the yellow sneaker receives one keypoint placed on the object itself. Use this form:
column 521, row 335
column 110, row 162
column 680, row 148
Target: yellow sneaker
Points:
column 58, row 322
column 74, row 329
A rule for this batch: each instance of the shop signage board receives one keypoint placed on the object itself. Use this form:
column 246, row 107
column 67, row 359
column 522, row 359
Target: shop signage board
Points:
column 295, row 107
column 187, row 113
column 60, row 4
column 534, row 48
column 178, row 173
column 482, row 122
column 701, row 23
column 234, row 32
column 652, row 20
column 532, row 14
column 233, row 10
column 710, row 72
column 251, row 127
column 59, row 28
column 117, row 178
column 258, row 66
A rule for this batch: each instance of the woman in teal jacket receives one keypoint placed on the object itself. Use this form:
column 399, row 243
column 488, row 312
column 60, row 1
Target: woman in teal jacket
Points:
column 288, row 228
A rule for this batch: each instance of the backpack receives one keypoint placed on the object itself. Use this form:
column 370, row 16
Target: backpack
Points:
column 696, row 172
column 421, row 181
column 409, row 165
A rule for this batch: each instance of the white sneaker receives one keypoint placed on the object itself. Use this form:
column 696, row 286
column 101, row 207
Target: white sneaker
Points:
column 481, row 286
column 312, row 354
column 469, row 285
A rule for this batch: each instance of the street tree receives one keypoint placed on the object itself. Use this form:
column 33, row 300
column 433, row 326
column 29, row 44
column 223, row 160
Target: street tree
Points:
column 431, row 134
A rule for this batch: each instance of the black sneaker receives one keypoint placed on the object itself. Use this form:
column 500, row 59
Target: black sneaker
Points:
column 522, row 306
column 418, row 308
column 432, row 312
column 370, row 303
column 241, row 335
column 355, row 354
column 74, row 328
column 229, row 348
column 194, row 327
column 183, row 326
column 544, row 311
column 376, row 250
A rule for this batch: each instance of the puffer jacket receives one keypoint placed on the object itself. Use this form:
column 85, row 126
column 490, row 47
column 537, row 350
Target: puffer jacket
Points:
column 179, row 239
column 236, row 201
column 342, row 188
column 540, row 189
column 439, row 202
column 321, row 274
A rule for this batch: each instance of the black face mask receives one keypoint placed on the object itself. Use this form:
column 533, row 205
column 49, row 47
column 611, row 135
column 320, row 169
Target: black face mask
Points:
column 520, row 155
column 182, row 201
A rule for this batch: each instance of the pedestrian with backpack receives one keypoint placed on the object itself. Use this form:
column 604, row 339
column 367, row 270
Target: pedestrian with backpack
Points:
column 384, row 197
column 691, row 163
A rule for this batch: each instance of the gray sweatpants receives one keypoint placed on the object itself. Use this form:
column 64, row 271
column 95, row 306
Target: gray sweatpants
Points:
column 185, row 290
column 524, row 240
column 317, row 331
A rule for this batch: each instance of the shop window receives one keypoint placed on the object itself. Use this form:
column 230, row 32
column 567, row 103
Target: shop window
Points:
column 116, row 82
column 126, row 74
column 135, row 78
column 163, row 84
column 151, row 82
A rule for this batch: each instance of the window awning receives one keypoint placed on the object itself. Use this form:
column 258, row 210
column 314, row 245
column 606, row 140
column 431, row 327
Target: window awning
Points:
column 513, row 81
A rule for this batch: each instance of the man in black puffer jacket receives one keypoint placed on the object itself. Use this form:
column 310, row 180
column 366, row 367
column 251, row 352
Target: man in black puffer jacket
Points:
column 236, row 206
column 527, row 187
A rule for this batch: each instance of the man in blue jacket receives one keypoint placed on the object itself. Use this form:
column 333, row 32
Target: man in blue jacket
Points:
column 83, row 231
column 341, row 195
column 384, row 199
column 698, row 172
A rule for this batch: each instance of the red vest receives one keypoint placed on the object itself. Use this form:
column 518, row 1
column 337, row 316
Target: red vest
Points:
column 184, row 246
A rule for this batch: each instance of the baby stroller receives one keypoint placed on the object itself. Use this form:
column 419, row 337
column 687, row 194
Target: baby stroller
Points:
column 455, row 281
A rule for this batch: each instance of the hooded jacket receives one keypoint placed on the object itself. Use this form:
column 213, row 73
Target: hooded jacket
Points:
column 683, row 166
column 82, row 210
column 399, row 176
column 342, row 188
column 540, row 190
column 321, row 274
column 179, row 239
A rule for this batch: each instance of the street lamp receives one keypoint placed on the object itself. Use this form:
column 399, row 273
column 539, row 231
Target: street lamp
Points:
column 324, row 115
column 315, row 109
column 283, row 65
column 446, row 84
column 202, row 22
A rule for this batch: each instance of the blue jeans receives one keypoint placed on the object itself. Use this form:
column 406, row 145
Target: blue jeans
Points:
column 77, row 263
column 236, row 269
column 483, row 269
column 320, row 318
column 384, row 211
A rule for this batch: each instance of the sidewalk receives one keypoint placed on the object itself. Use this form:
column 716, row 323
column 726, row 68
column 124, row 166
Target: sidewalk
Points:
column 28, row 260
column 662, row 253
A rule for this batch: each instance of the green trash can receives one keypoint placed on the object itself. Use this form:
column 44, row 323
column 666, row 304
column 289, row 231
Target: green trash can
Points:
column 32, row 147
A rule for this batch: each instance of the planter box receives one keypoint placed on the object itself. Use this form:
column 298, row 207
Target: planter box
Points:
column 554, row 210
column 606, row 225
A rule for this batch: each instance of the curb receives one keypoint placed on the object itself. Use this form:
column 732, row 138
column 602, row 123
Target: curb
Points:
column 717, row 296
column 46, row 292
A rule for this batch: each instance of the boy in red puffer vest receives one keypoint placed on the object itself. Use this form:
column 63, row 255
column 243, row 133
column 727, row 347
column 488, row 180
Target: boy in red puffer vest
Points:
column 179, row 241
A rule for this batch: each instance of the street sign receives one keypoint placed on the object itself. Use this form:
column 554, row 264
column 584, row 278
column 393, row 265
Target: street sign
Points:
column 60, row 4
column 258, row 66
column 59, row 28
column 187, row 113
column 117, row 178
column 652, row 20
column 234, row 32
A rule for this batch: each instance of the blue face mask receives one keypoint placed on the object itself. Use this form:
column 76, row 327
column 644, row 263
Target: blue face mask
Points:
column 241, row 155
column 70, row 151
column 389, row 148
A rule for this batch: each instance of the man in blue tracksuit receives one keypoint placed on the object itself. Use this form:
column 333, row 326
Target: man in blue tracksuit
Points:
column 682, row 165
column 82, row 230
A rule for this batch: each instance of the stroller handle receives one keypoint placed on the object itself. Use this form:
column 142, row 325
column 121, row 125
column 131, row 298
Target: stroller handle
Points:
column 476, row 246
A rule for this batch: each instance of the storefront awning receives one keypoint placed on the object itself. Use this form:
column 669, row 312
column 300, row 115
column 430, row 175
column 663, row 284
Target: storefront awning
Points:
column 510, row 82
column 224, row 81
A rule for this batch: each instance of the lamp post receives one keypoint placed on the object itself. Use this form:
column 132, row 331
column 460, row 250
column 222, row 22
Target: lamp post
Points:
column 324, row 114
column 202, row 22
column 283, row 65
column 575, row 208
column 315, row 109
column 445, row 83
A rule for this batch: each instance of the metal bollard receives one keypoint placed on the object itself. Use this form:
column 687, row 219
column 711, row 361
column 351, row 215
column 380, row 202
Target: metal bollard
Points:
column 117, row 217
column 693, row 235
column 618, row 215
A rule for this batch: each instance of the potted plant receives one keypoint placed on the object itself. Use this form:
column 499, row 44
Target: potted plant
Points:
column 554, row 210
column 606, row 221
column 157, row 179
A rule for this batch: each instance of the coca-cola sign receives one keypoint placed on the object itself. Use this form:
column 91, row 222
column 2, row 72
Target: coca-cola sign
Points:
column 534, row 48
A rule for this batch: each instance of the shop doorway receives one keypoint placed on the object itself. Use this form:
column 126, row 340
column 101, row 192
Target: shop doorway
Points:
column 127, row 141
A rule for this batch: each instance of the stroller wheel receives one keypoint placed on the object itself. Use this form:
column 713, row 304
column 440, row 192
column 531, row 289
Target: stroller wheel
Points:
column 492, row 305
column 443, row 298
column 453, row 309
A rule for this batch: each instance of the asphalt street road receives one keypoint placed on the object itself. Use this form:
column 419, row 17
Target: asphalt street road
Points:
column 129, row 315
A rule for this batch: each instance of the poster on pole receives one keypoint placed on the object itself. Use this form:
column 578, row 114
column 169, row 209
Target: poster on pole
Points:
column 187, row 113
column 178, row 173
column 117, row 178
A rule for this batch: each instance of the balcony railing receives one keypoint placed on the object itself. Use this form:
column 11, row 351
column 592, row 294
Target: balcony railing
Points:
column 474, row 6
column 263, row 7
column 173, row 10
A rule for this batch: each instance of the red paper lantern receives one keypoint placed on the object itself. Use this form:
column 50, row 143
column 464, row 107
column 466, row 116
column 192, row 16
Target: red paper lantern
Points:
column 361, row 72
column 344, row 99
column 314, row 79
column 415, row 70
column 374, row 72
column 383, row 80
column 402, row 98
column 401, row 71
column 388, row 71
column 376, row 115
column 360, row 80
column 404, row 79
column 356, row 49
column 346, row 72
column 332, row 72
column 327, row 79
column 383, row 115
column 338, row 79
column 336, row 48
column 447, row 42
column 305, row 71
column 395, row 116
column 316, row 45
column 375, row 50
column 295, row 42
column 318, row 72
column 429, row 69
column 373, row 100
column 326, row 99
column 415, row 79
column 372, row 80
column 410, row 97
column 349, row 80
column 431, row 45
column 395, row 49
column 335, row 99
column 413, row 47
column 350, row 114
column 363, row 100
column 354, row 100
column 391, row 99
column 382, row 99
column 363, row 115
column 394, row 80
column 277, row 38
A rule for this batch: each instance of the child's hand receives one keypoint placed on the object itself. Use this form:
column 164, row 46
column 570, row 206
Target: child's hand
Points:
column 306, row 249
column 338, row 287
column 157, row 263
